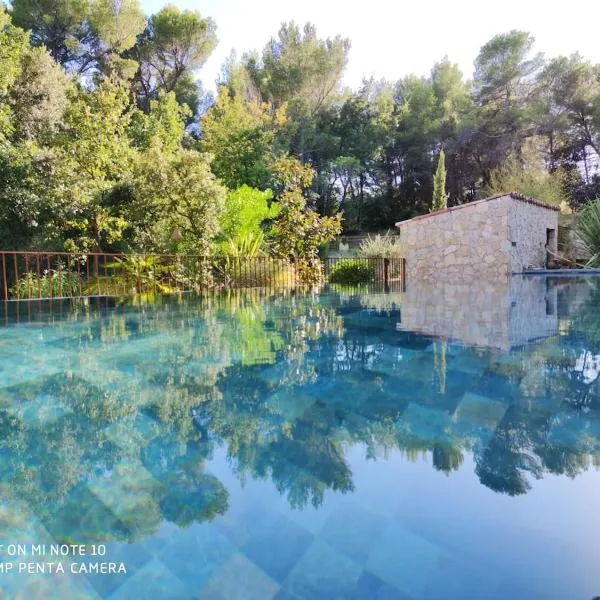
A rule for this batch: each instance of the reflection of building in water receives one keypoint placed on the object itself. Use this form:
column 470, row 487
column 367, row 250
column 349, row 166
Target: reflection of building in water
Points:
column 501, row 313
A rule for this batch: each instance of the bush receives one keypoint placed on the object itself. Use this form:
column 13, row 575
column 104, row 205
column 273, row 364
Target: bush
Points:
column 246, row 209
column 257, row 272
column 247, row 245
column 352, row 272
column 50, row 284
column 381, row 246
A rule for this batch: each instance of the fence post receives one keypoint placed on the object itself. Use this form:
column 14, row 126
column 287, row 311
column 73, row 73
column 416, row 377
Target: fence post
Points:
column 4, row 277
column 403, row 263
column 386, row 271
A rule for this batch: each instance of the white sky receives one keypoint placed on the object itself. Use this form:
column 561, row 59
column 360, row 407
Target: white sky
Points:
column 392, row 38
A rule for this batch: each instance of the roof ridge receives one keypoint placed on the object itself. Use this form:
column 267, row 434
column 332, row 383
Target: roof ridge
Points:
column 513, row 195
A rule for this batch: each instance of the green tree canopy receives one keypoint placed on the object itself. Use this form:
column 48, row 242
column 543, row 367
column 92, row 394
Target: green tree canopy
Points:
column 174, row 45
column 81, row 35
column 178, row 193
column 240, row 134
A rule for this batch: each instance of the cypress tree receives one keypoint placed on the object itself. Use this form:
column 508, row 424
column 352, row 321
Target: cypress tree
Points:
column 440, row 197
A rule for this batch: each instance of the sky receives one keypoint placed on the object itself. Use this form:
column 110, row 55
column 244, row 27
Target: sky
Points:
column 393, row 38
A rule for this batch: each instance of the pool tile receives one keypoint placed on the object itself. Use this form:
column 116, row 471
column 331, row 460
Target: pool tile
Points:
column 371, row 587
column 130, row 432
column 289, row 403
column 133, row 556
column 284, row 595
column 322, row 573
column 311, row 518
column 133, row 495
column 404, row 560
column 480, row 410
column 153, row 580
column 455, row 578
column 354, row 531
column 157, row 541
column 239, row 579
column 57, row 586
column 277, row 546
column 508, row 588
column 84, row 518
column 196, row 553
column 41, row 412
column 428, row 424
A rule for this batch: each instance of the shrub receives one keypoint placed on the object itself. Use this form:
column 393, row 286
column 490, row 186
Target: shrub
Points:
column 261, row 271
column 50, row 284
column 386, row 246
column 352, row 272
column 247, row 245
column 299, row 230
column 246, row 209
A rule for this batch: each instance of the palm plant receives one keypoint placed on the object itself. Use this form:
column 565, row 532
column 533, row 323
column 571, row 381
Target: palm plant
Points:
column 589, row 231
column 247, row 245
column 140, row 274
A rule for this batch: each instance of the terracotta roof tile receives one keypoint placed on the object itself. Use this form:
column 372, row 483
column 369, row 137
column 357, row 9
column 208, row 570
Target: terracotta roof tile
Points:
column 513, row 195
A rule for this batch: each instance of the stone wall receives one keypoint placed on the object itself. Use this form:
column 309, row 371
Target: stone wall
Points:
column 470, row 240
column 527, row 224
column 489, row 238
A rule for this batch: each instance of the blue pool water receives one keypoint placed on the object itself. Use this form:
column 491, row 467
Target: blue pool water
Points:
column 438, row 443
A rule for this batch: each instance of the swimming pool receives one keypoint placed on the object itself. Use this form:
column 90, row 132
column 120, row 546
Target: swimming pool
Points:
column 437, row 443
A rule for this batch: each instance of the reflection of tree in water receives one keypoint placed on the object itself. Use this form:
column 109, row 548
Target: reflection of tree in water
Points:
column 52, row 469
column 447, row 458
column 366, row 403
column 193, row 495
column 287, row 383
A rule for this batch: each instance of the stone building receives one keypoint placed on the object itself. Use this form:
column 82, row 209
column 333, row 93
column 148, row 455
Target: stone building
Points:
column 490, row 238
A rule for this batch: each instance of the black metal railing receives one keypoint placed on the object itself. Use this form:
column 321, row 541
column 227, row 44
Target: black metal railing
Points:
column 51, row 275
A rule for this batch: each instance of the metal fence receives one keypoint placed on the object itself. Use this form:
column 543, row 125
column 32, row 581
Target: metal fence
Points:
column 37, row 275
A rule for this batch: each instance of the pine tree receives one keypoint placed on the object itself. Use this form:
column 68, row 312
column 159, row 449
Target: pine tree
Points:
column 440, row 197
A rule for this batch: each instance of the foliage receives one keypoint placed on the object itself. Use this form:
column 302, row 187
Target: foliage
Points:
column 529, row 181
column 440, row 197
column 302, row 73
column 246, row 210
column 53, row 283
column 381, row 246
column 299, row 230
column 240, row 134
column 139, row 274
column 589, row 230
column 583, row 192
column 352, row 272
column 247, row 245
column 174, row 44
column 100, row 107
column 299, row 67
column 81, row 35
column 163, row 126
column 182, row 197
column 258, row 271
column 28, row 215
column 38, row 98
column 13, row 45
column 93, row 157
